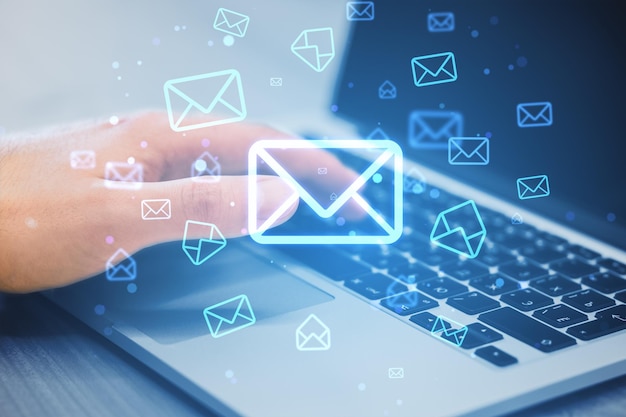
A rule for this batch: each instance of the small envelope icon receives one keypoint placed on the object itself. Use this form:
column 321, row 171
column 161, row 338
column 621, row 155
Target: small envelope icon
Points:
column 315, row 47
column 396, row 373
column 533, row 187
column 430, row 129
column 229, row 316
column 414, row 182
column 468, row 151
column 230, row 22
column 387, row 91
column 201, row 250
column 360, row 10
column 453, row 335
column 534, row 114
column 460, row 230
column 83, row 159
column 123, row 175
column 121, row 267
column 441, row 22
column 516, row 218
column 276, row 82
column 434, row 69
column 206, row 167
column 384, row 152
column 312, row 335
column 156, row 209
column 204, row 100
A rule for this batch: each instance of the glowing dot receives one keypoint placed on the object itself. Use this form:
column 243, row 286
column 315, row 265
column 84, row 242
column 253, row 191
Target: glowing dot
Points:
column 522, row 61
column 244, row 231
column 126, row 95
column 131, row 160
column 107, row 331
column 233, row 381
column 511, row 67
column 143, row 144
column 499, row 283
column 131, row 288
column 99, row 309
column 114, row 120
column 31, row 223
column 119, row 78
column 494, row 20
column 377, row 178
column 442, row 105
column 398, row 402
column 176, row 28
column 486, row 71
column 184, row 27
column 570, row 216
column 115, row 65
column 488, row 135
column 228, row 40
column 109, row 240
column 361, row 387
column 200, row 165
column 156, row 41
column 210, row 43
column 351, row 233
column 474, row 33
column 340, row 221
column 350, row 84
column 334, row 108
column 206, row 142
column 229, row 374
column 232, row 204
column 611, row 217
column 139, row 62
column 434, row 193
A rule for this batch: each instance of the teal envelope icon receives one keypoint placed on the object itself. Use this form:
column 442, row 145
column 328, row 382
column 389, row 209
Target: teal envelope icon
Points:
column 201, row 250
column 230, row 22
column 204, row 100
column 430, row 129
column 460, row 230
column 434, row 69
column 229, row 316
column 315, row 47
column 533, row 187
column 453, row 333
column 468, row 151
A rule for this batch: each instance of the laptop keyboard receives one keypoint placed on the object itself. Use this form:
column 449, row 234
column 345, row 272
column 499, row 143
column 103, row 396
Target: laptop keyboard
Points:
column 525, row 284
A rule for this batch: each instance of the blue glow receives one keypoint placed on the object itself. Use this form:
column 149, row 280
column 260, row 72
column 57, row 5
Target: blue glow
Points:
column 377, row 178
column 360, row 10
column 434, row 193
column 486, row 71
column 474, row 33
column 440, row 22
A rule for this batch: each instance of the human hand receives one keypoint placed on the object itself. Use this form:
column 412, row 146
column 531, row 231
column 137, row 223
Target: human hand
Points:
column 54, row 220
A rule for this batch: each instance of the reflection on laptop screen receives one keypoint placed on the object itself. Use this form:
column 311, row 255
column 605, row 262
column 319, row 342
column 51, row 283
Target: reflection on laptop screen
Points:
column 542, row 81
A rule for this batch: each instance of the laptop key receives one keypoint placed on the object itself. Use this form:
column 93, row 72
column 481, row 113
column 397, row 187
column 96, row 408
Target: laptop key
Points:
column 573, row 268
column 411, row 272
column 375, row 286
column 613, row 265
column 607, row 322
column 408, row 303
column 583, row 252
column 495, row 356
column 427, row 321
column 494, row 256
column 555, row 285
column 441, row 287
column 542, row 254
column 473, row 303
column 523, row 270
column 494, row 284
column 477, row 335
column 508, row 239
column 526, row 299
column 551, row 239
column 527, row 330
column 464, row 270
column 587, row 301
column 605, row 282
column 560, row 315
column 620, row 296
column 432, row 256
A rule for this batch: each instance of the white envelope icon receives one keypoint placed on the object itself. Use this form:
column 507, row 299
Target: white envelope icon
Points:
column 123, row 175
column 312, row 335
column 384, row 152
column 204, row 100
column 83, row 159
column 206, row 168
column 156, row 209
column 231, row 22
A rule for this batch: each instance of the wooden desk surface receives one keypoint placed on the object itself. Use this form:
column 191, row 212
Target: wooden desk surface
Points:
column 53, row 365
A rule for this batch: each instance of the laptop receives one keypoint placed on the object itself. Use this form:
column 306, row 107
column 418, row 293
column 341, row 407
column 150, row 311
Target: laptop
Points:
column 487, row 272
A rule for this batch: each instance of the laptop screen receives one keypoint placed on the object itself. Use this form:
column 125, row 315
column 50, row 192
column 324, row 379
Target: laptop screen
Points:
column 541, row 81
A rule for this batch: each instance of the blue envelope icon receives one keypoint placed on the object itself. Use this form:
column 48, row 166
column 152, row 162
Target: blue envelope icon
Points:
column 449, row 330
column 441, row 22
column 414, row 182
column 387, row 91
column 204, row 100
column 315, row 47
column 230, row 22
column 431, row 129
column 468, row 151
column 534, row 114
column 121, row 267
column 533, row 187
column 385, row 224
column 201, row 250
column 460, row 230
column 434, row 69
column 229, row 316
column 360, row 10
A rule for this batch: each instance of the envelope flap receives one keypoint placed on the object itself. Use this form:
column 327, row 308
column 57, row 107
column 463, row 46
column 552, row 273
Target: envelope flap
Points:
column 433, row 64
column 437, row 124
column 535, row 111
column 321, row 40
column 441, row 19
column 230, row 18
column 534, row 183
column 121, row 258
column 468, row 146
column 157, row 206
column 205, row 91
column 361, row 8
column 230, row 309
